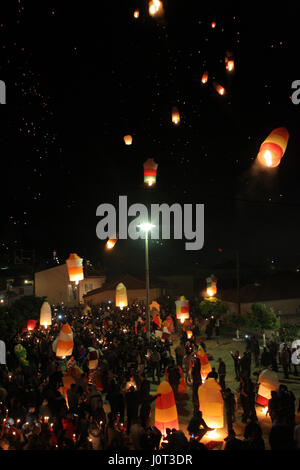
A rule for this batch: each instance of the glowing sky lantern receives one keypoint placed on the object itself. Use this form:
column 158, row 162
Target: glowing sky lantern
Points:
column 211, row 403
column 211, row 289
column 45, row 315
column 31, row 325
column 75, row 268
column 165, row 409
column 155, row 8
column 121, row 296
column 110, row 243
column 189, row 334
column 205, row 365
column 128, row 139
column 219, row 88
column 65, row 342
column 150, row 171
column 213, row 24
column 204, row 77
column 229, row 62
column 272, row 149
column 182, row 309
column 136, row 13
column 175, row 116
column 268, row 381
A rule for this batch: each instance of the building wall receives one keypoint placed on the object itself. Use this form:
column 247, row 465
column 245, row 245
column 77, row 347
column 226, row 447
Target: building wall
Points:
column 281, row 307
column 55, row 285
column 88, row 284
column 133, row 295
column 179, row 285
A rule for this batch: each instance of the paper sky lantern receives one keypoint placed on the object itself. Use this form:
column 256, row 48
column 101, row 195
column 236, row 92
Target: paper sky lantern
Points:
column 204, row 77
column 165, row 409
column 211, row 403
column 268, row 380
column 45, row 315
column 2, row 352
column 169, row 324
column 272, row 149
column 65, row 341
column 219, row 88
column 211, row 289
column 121, row 296
column 31, row 324
column 229, row 62
column 128, row 139
column 295, row 344
column 175, row 116
column 110, row 243
column 205, row 365
column 155, row 8
column 75, row 268
column 150, row 172
column 182, row 308
column 189, row 334
column 154, row 306
column 213, row 24
column 136, row 13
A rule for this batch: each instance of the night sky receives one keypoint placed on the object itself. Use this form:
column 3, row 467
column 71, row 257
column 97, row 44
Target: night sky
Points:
column 80, row 77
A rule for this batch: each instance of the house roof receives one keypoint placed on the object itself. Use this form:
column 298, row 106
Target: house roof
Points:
column 129, row 281
column 270, row 289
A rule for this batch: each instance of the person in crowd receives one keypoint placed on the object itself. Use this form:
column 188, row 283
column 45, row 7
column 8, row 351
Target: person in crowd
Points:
column 237, row 364
column 222, row 372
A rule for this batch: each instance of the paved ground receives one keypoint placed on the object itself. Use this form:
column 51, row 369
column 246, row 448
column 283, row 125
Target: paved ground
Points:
column 185, row 407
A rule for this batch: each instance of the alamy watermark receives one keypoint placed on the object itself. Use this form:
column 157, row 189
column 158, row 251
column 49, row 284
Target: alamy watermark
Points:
column 2, row 92
column 296, row 95
column 188, row 222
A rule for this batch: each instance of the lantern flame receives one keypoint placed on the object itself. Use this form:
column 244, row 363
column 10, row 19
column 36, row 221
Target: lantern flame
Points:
column 268, row 158
column 230, row 65
column 204, row 77
column 213, row 25
column 150, row 181
column 136, row 13
column 212, row 434
column 155, row 8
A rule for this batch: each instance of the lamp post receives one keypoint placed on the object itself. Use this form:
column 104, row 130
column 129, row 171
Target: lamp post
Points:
column 146, row 227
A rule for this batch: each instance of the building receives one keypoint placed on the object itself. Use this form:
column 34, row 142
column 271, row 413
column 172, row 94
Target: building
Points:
column 136, row 291
column 283, row 295
column 54, row 284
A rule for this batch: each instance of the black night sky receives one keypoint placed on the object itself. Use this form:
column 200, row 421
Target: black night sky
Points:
column 80, row 76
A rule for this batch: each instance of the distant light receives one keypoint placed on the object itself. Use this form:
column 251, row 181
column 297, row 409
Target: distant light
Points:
column 214, row 24
column 146, row 227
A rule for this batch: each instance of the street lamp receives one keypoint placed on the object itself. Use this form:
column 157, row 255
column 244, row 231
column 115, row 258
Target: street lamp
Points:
column 146, row 227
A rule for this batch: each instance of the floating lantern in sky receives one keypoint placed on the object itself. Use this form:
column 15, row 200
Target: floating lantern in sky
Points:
column 128, row 139
column 65, row 341
column 110, row 243
column 31, row 325
column 121, row 296
column 182, row 308
column 175, row 116
column 211, row 289
column 219, row 88
column 211, row 403
column 229, row 62
column 272, row 149
column 213, row 24
column 150, row 171
column 156, row 8
column 136, row 13
column 268, row 381
column 75, row 268
column 165, row 409
column 205, row 365
column 204, row 77
column 45, row 315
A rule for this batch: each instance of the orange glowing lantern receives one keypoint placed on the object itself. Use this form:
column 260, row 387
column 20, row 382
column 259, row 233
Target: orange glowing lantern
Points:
column 150, row 171
column 45, row 315
column 121, row 296
column 165, row 409
column 272, row 149
column 136, row 13
column 211, row 403
column 205, row 365
column 155, row 8
column 31, row 324
column 182, row 309
column 65, row 342
column 219, row 88
column 189, row 334
column 213, row 24
column 204, row 77
column 211, row 285
column 75, row 268
column 268, row 381
column 175, row 116
column 110, row 243
column 128, row 139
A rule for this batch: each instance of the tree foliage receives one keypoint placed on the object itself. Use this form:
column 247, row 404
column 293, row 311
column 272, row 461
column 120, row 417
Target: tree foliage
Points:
column 236, row 320
column 261, row 318
column 289, row 332
column 212, row 307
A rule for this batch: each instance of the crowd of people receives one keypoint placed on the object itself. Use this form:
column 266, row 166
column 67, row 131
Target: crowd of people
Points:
column 38, row 412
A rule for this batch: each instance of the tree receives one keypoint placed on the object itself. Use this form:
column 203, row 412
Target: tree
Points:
column 238, row 321
column 262, row 318
column 288, row 332
column 212, row 307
